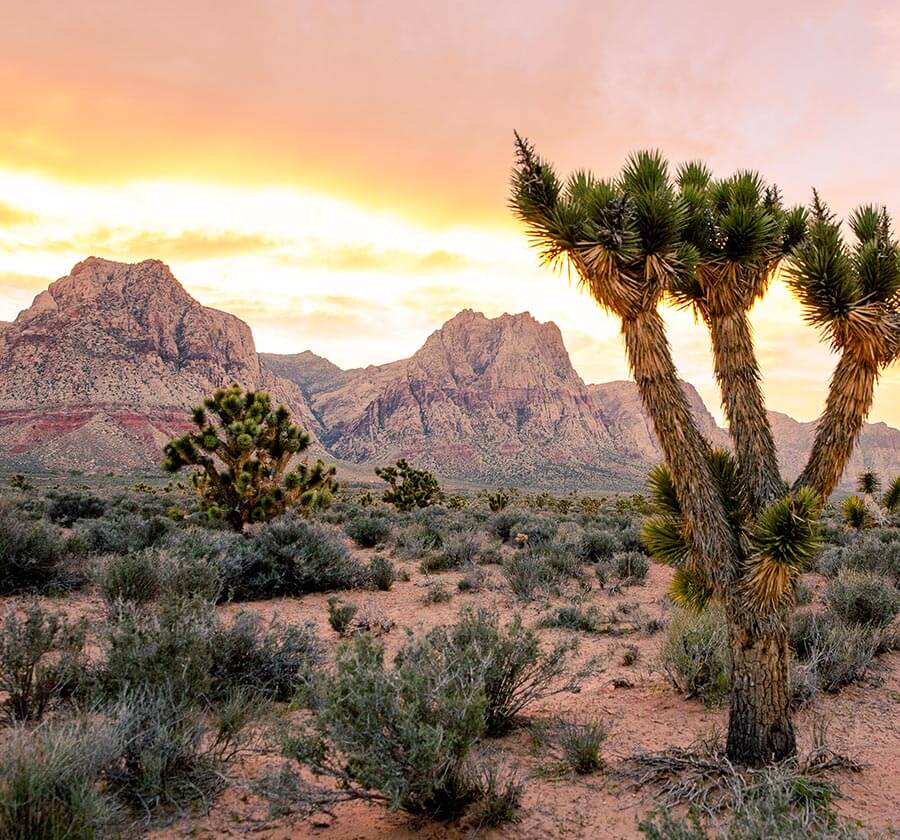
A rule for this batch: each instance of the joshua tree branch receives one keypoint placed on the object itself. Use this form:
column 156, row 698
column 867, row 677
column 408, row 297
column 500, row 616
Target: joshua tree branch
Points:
column 737, row 373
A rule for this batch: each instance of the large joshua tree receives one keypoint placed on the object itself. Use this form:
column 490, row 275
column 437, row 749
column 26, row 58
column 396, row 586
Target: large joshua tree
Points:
column 729, row 525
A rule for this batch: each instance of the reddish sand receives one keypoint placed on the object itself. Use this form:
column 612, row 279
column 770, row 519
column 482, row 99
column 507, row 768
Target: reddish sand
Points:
column 648, row 715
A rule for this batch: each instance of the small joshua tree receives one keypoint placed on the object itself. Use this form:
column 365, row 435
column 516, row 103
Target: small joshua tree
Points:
column 243, row 449
column 498, row 500
column 730, row 525
column 408, row 487
column 891, row 500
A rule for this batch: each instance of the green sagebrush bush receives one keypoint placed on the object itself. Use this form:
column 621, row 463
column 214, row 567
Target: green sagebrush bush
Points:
column 368, row 529
column 42, row 660
column 775, row 803
column 833, row 653
column 694, row 655
column 862, row 598
column 49, row 782
column 32, row 554
column 404, row 733
column 184, row 647
column 292, row 556
column 407, row 732
column 66, row 508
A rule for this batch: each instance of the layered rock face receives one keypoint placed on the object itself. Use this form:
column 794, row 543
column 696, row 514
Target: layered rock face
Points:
column 104, row 366
column 101, row 370
column 484, row 400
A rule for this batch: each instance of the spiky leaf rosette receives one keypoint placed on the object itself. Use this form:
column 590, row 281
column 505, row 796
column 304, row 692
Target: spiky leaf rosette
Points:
column 853, row 510
column 850, row 290
column 784, row 540
column 739, row 232
column 623, row 236
column 892, row 497
column 690, row 589
column 665, row 534
column 868, row 483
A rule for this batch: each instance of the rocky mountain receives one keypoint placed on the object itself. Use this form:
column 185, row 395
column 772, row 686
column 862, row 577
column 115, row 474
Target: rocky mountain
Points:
column 99, row 372
column 483, row 398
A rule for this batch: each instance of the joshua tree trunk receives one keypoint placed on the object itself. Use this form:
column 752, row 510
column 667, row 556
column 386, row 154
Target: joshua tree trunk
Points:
column 684, row 446
column 849, row 400
column 759, row 727
column 737, row 373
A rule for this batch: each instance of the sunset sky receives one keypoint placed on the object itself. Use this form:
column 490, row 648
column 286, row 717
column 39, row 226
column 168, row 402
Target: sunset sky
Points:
column 335, row 173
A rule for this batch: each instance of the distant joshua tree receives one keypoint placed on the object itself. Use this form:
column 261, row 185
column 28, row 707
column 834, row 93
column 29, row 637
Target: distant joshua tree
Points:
column 729, row 525
column 408, row 488
column 243, row 448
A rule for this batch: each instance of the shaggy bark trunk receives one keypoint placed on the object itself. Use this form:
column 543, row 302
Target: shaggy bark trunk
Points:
column 760, row 730
column 737, row 373
column 684, row 446
column 850, row 396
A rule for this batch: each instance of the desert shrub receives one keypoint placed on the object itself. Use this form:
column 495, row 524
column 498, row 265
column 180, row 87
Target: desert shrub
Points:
column 31, row 554
column 630, row 566
column 67, row 508
column 570, row 617
column 121, row 531
column 596, row 546
column 168, row 647
column 418, row 539
column 862, row 598
column 48, row 783
column 581, row 746
column 381, row 573
column 169, row 757
column 187, row 577
column 458, row 550
column 437, row 593
column 775, row 803
column 539, row 571
column 694, row 654
column 529, row 573
column 340, row 614
column 872, row 553
column 499, row 798
column 268, row 660
column 41, row 660
column 473, row 580
column 803, row 593
column 405, row 732
column 501, row 524
column 368, row 530
column 539, row 530
column 513, row 670
column 833, row 652
column 133, row 577
column 291, row 556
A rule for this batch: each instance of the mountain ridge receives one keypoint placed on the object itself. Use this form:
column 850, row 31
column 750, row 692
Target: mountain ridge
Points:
column 105, row 364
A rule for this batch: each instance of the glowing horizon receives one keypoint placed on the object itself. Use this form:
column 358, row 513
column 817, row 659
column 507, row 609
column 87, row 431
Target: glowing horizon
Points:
column 336, row 176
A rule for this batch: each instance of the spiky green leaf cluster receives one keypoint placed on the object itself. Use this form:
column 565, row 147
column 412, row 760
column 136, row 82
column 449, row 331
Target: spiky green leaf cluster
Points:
column 665, row 535
column 632, row 222
column 853, row 510
column 784, row 539
column 836, row 280
column 243, row 448
column 738, row 231
column 892, row 496
column 408, row 487
column 868, row 482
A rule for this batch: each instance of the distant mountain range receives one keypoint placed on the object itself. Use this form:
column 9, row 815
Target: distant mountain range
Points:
column 104, row 365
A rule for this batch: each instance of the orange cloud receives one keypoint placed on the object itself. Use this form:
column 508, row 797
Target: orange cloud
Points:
column 10, row 216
